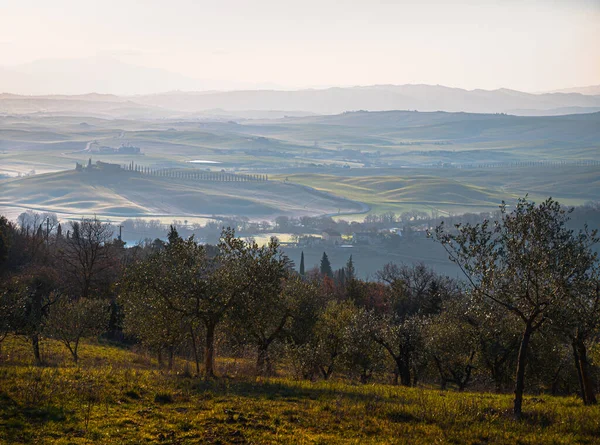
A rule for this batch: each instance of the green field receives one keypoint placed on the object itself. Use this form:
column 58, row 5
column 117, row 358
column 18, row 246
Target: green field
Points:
column 454, row 191
column 398, row 194
column 116, row 396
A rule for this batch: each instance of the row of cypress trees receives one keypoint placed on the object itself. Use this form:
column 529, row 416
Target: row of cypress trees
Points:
column 196, row 174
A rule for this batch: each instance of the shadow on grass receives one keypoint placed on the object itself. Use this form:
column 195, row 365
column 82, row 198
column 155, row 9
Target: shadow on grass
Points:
column 16, row 420
column 270, row 390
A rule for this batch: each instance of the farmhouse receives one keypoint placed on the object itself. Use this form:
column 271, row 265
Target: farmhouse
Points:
column 104, row 166
column 332, row 237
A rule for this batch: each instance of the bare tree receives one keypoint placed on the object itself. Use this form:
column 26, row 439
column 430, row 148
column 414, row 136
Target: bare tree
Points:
column 86, row 254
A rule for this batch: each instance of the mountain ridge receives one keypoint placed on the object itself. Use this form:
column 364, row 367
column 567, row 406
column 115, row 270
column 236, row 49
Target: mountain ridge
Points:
column 333, row 100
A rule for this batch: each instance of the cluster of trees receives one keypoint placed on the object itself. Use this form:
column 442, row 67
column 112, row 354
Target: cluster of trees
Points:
column 532, row 266
column 51, row 281
column 371, row 222
column 529, row 304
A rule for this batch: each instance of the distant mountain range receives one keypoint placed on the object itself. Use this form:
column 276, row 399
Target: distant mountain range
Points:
column 592, row 90
column 207, row 99
column 264, row 104
column 377, row 98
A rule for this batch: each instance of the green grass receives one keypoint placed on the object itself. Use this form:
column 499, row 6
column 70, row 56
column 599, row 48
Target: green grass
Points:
column 112, row 401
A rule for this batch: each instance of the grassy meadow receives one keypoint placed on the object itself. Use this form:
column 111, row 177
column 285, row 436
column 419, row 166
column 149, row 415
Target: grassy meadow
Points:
column 118, row 396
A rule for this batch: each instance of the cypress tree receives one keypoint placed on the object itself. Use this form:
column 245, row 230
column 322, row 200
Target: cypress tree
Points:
column 173, row 235
column 5, row 240
column 350, row 271
column 302, row 263
column 326, row 266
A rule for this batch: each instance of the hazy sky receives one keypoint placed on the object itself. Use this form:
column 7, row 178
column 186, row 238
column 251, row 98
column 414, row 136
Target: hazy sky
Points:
column 526, row 45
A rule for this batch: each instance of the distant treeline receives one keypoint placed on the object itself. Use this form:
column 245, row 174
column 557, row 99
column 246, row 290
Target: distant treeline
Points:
column 195, row 174
column 582, row 163
column 146, row 230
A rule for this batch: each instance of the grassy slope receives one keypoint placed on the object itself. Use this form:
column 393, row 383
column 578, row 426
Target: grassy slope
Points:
column 127, row 194
column 400, row 193
column 118, row 397
column 455, row 190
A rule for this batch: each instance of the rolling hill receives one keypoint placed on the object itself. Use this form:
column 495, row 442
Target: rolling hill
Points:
column 389, row 160
column 403, row 192
column 129, row 194
column 453, row 190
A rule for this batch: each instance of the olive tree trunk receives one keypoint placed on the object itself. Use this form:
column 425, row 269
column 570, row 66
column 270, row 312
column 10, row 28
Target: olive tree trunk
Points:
column 521, row 363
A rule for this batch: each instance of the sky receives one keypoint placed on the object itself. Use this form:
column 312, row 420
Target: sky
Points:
column 527, row 45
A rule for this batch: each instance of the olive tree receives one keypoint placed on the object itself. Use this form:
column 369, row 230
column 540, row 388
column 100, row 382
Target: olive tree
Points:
column 402, row 338
column 309, row 304
column 361, row 354
column 577, row 321
column 413, row 293
column 525, row 262
column 330, row 335
column 498, row 339
column 451, row 342
column 71, row 320
column 173, row 284
column 158, row 327
column 30, row 296
column 200, row 287
column 265, row 304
